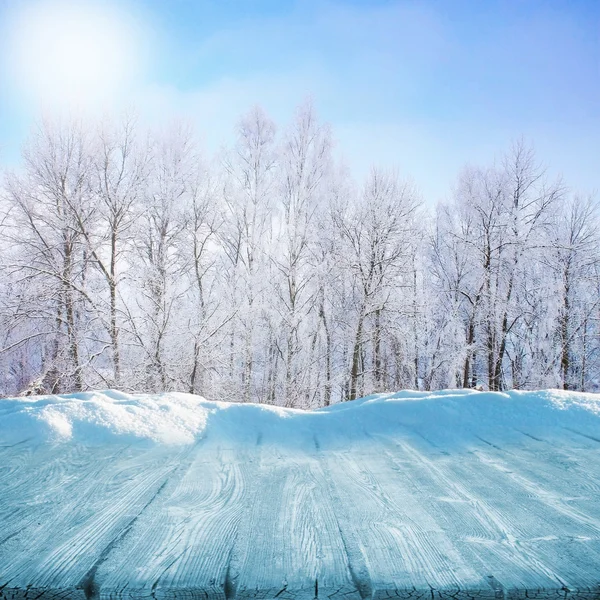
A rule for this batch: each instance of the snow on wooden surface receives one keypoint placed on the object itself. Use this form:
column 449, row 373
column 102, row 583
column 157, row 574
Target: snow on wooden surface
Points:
column 450, row 494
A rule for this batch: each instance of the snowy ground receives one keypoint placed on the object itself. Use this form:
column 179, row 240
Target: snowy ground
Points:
column 447, row 494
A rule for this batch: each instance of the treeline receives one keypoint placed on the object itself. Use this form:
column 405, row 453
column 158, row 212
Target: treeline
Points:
column 131, row 261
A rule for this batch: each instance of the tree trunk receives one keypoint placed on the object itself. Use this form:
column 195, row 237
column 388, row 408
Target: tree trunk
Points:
column 114, row 331
column 327, row 391
column 354, row 370
column 470, row 340
column 377, row 351
column 70, row 317
column 565, row 358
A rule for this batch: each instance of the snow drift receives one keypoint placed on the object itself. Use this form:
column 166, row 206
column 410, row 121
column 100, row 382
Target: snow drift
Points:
column 177, row 418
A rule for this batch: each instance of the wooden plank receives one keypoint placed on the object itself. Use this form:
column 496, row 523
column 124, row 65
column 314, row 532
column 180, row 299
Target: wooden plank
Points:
column 503, row 520
column 477, row 514
column 74, row 524
column 290, row 546
column 397, row 546
column 182, row 544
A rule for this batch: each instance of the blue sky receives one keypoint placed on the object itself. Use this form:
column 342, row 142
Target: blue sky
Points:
column 425, row 86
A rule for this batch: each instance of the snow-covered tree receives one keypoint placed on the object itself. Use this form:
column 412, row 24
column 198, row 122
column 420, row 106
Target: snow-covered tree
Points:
column 266, row 273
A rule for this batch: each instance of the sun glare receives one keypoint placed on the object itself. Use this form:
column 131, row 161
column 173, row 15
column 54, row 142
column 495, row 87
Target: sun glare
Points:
column 76, row 55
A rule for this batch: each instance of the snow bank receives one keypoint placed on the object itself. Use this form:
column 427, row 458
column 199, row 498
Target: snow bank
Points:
column 175, row 418
column 99, row 417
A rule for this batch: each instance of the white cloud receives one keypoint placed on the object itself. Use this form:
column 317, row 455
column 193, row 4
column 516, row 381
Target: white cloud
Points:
column 72, row 55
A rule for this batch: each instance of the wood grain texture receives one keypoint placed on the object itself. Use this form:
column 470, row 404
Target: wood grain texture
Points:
column 405, row 513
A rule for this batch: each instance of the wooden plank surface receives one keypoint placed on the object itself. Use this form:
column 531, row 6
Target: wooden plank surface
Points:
column 404, row 513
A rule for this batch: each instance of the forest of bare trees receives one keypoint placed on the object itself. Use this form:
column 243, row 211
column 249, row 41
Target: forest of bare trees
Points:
column 132, row 260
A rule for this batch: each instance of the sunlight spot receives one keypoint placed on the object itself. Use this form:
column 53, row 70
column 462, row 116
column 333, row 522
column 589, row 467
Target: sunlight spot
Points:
column 63, row 54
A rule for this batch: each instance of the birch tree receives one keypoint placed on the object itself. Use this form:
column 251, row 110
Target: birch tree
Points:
column 376, row 232
column 574, row 261
column 46, row 202
column 251, row 169
column 305, row 166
